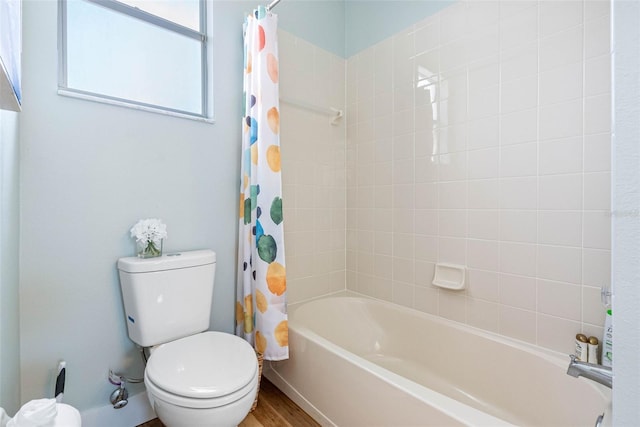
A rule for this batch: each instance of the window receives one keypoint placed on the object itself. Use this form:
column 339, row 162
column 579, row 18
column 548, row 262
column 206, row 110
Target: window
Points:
column 147, row 54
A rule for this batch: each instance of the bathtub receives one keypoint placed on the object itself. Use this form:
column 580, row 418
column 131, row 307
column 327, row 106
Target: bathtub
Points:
column 356, row 361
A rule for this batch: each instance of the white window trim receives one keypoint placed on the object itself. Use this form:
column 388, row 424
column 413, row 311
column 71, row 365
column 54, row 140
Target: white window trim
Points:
column 202, row 35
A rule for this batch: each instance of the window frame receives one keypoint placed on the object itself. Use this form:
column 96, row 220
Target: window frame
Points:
column 206, row 57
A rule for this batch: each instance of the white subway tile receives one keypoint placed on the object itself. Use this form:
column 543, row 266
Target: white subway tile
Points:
column 452, row 195
column 483, row 314
column 383, row 243
column 560, row 156
column 518, row 226
column 519, row 94
column 484, row 224
column 518, row 259
column 560, row 84
column 403, row 245
column 597, row 75
column 423, row 143
column 560, row 299
column 597, row 152
column 483, row 43
column 403, row 270
column 484, row 102
column 426, row 221
column 484, row 285
column 426, row 300
column 560, row 192
column 597, row 230
column 594, row 9
column 452, row 223
column 518, row 127
column 452, row 306
column 402, row 294
column 596, row 267
column 519, row 324
column 404, row 196
column 510, row 8
column 518, row 193
column 519, row 160
column 592, row 309
column 483, row 133
column 518, row 28
column 403, row 220
column 553, row 333
column 518, row 291
column 483, row 254
column 426, row 248
column 559, row 15
column 596, row 33
column 426, row 195
column 597, row 114
column 561, row 48
column 453, row 55
column 483, row 194
column 483, row 163
column 561, row 120
column 597, row 191
column 560, row 228
column 453, row 167
column 426, row 169
column 424, row 274
column 484, row 73
column 452, row 250
column 519, row 62
column 560, row 263
column 453, row 21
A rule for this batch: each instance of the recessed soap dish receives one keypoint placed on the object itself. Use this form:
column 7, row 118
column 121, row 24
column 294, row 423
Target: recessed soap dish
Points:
column 450, row 276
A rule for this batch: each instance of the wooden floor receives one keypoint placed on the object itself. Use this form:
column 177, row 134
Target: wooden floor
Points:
column 274, row 410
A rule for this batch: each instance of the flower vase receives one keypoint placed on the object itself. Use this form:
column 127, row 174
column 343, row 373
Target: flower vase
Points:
column 149, row 249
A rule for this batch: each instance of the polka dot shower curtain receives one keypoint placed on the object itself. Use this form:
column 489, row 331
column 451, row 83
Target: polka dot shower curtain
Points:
column 261, row 310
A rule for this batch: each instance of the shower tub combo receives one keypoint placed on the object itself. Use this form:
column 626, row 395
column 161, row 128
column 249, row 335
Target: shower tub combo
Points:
column 361, row 362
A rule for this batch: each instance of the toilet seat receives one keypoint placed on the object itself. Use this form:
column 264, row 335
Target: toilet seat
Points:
column 205, row 370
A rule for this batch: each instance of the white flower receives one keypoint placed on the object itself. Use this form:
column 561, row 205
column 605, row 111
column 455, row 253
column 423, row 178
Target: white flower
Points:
column 149, row 230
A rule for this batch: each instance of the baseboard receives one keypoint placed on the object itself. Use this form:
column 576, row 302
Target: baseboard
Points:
column 137, row 411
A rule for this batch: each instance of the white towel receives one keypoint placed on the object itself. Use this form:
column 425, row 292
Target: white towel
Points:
column 35, row 413
column 4, row 418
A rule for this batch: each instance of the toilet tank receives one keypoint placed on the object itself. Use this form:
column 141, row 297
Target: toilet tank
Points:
column 167, row 297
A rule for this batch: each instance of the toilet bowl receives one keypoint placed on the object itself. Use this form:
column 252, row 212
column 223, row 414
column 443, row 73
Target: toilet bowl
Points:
column 207, row 379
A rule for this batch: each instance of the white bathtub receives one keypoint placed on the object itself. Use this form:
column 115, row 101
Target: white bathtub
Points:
column 361, row 362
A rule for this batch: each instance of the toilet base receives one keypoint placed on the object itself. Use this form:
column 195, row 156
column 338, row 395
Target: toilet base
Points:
column 222, row 416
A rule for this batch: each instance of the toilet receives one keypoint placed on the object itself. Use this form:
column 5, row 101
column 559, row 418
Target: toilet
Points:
column 193, row 377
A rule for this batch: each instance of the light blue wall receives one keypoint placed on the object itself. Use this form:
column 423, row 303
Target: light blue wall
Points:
column 345, row 27
column 319, row 22
column 88, row 172
column 369, row 22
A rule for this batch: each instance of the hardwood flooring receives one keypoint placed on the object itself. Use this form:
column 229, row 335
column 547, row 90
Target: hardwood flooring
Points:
column 274, row 409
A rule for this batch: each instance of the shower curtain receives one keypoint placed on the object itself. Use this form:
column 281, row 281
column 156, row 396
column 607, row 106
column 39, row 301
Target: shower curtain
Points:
column 261, row 310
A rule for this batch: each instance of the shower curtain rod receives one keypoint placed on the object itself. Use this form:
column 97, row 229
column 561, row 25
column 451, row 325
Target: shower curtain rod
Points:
column 272, row 4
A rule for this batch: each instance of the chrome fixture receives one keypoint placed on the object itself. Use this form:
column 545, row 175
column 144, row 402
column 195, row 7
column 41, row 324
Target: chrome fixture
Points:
column 120, row 397
column 598, row 373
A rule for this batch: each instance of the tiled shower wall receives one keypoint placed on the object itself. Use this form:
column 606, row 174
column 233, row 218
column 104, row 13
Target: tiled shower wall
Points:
column 479, row 136
column 313, row 168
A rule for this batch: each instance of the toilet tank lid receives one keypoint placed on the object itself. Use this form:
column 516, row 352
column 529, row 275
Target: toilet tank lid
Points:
column 170, row 261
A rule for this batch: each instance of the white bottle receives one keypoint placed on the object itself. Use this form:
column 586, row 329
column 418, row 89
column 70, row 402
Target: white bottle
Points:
column 593, row 350
column 581, row 347
column 607, row 341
